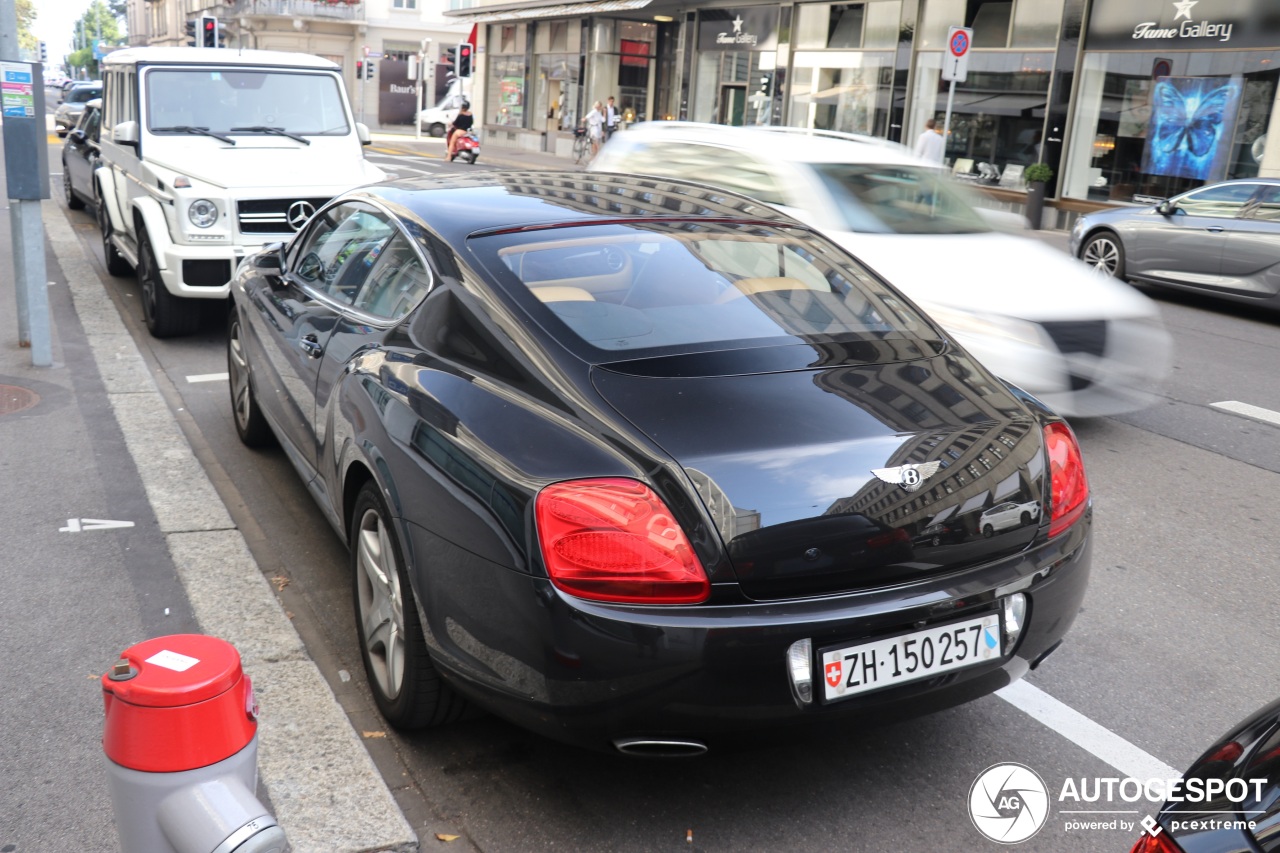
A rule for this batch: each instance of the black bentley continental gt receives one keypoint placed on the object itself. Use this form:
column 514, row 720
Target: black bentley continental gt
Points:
column 645, row 466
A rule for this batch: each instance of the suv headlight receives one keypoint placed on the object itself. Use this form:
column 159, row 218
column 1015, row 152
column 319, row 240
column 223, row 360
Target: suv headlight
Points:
column 202, row 213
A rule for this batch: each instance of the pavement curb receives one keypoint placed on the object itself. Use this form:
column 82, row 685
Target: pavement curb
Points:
column 327, row 793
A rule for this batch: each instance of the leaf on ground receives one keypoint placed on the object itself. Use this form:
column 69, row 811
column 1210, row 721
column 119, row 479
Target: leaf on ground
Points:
column 443, row 837
column 281, row 582
column 374, row 734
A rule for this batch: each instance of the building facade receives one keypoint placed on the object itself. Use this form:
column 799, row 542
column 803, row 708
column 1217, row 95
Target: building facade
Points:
column 1124, row 99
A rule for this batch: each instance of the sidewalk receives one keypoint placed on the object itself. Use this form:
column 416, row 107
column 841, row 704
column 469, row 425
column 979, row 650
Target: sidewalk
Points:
column 94, row 438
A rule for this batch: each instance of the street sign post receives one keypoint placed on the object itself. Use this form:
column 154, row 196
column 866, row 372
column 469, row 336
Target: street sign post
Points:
column 955, row 67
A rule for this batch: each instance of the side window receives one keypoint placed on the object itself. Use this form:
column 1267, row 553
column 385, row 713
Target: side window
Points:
column 92, row 123
column 1221, row 202
column 341, row 247
column 741, row 173
column 1267, row 205
column 397, row 282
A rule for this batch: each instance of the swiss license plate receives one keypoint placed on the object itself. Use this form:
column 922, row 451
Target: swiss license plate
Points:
column 852, row 670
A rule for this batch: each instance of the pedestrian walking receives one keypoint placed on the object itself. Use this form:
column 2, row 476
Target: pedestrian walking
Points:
column 931, row 146
column 611, row 118
column 595, row 126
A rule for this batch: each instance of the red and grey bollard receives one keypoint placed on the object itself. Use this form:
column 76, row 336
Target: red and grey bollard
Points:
column 181, row 741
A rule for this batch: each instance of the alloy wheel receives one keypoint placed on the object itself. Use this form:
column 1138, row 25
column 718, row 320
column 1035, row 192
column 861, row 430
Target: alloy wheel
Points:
column 1102, row 254
column 381, row 604
column 239, row 368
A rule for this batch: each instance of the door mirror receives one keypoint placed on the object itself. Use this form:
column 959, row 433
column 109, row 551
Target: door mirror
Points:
column 362, row 131
column 77, row 136
column 1166, row 208
column 270, row 259
column 125, row 133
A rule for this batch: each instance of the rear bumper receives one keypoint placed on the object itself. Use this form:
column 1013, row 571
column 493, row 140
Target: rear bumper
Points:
column 588, row 674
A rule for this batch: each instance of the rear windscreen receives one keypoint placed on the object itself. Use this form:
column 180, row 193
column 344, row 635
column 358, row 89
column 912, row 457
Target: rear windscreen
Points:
column 668, row 287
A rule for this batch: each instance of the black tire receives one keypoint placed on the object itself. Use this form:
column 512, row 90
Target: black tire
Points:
column 436, row 130
column 251, row 424
column 1104, row 252
column 167, row 315
column 116, row 264
column 74, row 202
column 1026, row 519
column 988, row 531
column 414, row 696
column 472, row 158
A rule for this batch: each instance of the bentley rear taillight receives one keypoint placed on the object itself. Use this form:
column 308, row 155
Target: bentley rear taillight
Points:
column 615, row 540
column 1161, row 843
column 1069, row 488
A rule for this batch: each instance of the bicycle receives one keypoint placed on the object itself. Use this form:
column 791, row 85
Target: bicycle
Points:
column 581, row 146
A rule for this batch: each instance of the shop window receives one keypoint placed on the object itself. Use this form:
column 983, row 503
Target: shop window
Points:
column 848, row 92
column 990, row 22
column 995, row 23
column 1149, row 126
column 505, row 96
column 845, row 26
column 1036, row 23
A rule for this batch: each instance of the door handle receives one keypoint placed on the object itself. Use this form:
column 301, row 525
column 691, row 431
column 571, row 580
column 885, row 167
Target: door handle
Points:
column 311, row 346
column 1214, row 229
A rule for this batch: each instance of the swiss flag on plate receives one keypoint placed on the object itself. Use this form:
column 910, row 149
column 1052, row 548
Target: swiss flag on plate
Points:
column 834, row 673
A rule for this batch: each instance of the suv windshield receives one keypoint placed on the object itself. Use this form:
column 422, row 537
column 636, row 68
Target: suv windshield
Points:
column 221, row 99
column 888, row 199
column 689, row 286
column 81, row 94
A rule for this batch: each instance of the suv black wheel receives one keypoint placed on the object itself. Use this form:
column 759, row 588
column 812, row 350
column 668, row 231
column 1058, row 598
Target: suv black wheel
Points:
column 166, row 315
column 251, row 425
column 406, row 686
column 116, row 264
column 74, row 202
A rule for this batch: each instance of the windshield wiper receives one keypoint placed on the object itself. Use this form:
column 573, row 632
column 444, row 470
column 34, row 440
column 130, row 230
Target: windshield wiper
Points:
column 278, row 131
column 186, row 128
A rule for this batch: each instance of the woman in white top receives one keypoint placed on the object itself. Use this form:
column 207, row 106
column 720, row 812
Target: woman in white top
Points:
column 595, row 126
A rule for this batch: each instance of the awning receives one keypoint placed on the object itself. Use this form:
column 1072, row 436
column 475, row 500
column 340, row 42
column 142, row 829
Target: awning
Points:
column 563, row 10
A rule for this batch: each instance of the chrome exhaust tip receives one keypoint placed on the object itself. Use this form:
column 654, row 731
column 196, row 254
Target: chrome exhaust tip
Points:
column 644, row 747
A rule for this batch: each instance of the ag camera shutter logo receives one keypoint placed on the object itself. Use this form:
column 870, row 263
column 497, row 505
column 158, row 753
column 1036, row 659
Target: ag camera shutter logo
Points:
column 1008, row 803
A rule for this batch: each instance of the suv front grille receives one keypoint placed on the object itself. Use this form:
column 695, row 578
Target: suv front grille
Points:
column 270, row 215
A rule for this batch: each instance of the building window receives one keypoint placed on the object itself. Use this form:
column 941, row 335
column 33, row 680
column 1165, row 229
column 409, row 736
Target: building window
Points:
column 1111, row 156
column 506, row 91
column 404, row 4
column 995, row 23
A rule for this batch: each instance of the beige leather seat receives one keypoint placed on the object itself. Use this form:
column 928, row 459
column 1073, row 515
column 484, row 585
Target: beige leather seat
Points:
column 562, row 293
column 748, row 286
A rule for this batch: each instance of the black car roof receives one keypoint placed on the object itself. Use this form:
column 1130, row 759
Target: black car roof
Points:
column 458, row 206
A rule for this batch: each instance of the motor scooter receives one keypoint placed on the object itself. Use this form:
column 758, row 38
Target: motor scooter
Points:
column 466, row 145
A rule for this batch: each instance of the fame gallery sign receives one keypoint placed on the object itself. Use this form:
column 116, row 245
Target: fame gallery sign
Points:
column 1183, row 24
column 752, row 28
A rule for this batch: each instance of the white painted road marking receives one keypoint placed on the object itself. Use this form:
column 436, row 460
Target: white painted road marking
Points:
column 1085, row 733
column 1257, row 413
column 78, row 525
column 209, row 377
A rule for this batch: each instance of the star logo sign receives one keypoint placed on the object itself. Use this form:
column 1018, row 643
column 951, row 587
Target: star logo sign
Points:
column 1184, row 8
column 737, row 24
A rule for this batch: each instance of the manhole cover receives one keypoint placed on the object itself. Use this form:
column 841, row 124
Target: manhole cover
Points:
column 15, row 399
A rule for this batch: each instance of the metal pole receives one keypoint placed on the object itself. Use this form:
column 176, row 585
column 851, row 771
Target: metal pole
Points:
column 25, row 225
column 946, row 123
column 422, row 84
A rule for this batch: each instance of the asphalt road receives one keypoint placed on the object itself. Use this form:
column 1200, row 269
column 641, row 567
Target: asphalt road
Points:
column 1174, row 645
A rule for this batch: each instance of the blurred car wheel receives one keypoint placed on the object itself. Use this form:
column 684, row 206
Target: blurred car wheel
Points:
column 1105, row 253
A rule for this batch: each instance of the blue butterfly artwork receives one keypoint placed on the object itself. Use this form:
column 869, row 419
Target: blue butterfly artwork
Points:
column 1192, row 127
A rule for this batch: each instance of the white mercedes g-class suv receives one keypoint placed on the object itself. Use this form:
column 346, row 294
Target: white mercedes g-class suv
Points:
column 207, row 155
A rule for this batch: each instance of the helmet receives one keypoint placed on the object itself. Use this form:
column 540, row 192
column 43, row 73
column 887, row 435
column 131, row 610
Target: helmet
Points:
column 466, row 105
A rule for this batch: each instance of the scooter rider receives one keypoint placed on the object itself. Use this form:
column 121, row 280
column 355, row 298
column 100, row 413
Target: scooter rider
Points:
column 461, row 123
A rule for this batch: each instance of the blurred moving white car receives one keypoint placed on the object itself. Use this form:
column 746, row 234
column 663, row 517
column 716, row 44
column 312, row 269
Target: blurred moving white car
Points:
column 1085, row 344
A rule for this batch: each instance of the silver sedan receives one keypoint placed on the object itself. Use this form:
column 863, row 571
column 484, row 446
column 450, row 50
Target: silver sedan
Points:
column 1222, row 239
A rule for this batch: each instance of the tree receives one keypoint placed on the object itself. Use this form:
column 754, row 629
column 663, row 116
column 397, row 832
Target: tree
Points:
column 26, row 17
column 97, row 22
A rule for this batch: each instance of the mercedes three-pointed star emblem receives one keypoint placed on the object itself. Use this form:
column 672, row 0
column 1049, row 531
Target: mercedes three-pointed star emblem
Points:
column 298, row 214
column 910, row 477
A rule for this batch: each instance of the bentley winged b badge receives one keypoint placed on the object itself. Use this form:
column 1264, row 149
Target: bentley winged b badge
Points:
column 910, row 477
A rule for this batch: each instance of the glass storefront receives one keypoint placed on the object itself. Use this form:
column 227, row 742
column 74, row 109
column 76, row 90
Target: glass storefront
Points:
column 557, row 47
column 505, row 94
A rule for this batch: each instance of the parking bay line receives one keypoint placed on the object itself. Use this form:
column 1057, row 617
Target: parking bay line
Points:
column 1256, row 413
column 1085, row 733
column 209, row 377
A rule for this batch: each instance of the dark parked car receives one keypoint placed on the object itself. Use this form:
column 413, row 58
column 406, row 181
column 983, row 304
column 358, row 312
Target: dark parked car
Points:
column 1235, row 783
column 638, row 464
column 1221, row 240
column 80, row 157
column 73, row 104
